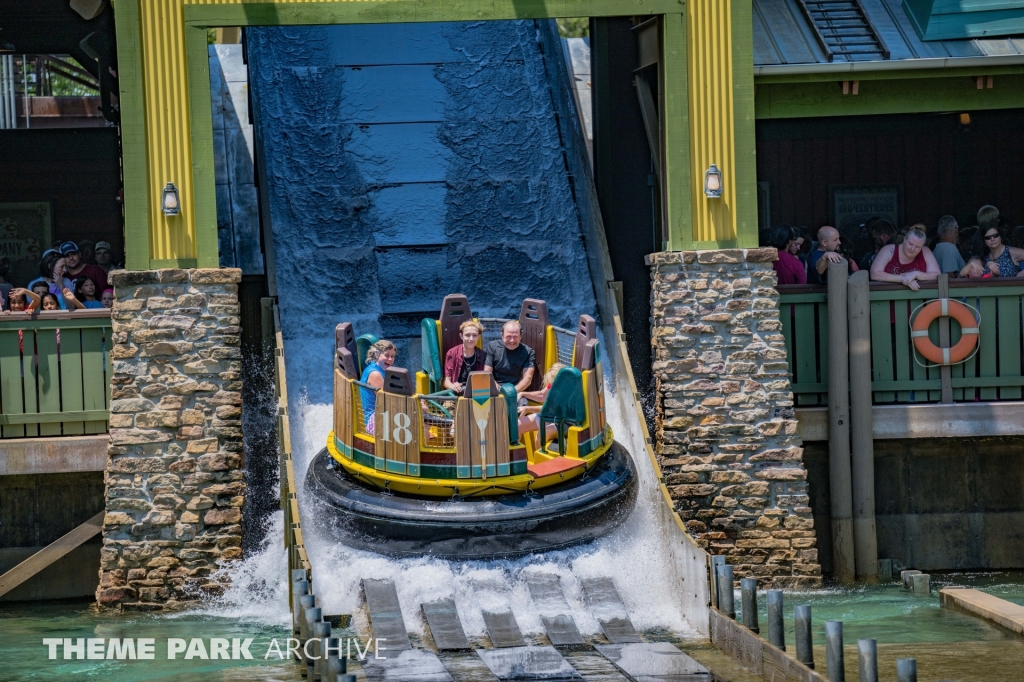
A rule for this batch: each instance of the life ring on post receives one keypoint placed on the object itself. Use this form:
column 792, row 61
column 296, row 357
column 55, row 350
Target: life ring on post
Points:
column 945, row 307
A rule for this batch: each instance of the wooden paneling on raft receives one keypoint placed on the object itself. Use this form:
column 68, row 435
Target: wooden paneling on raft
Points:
column 474, row 448
column 397, row 430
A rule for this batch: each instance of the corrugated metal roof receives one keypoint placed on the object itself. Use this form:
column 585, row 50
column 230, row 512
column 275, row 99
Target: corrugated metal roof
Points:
column 783, row 36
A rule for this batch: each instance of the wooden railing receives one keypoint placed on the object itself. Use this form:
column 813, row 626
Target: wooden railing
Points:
column 898, row 371
column 54, row 373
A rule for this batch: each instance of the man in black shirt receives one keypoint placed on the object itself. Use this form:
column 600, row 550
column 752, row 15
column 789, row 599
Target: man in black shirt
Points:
column 510, row 361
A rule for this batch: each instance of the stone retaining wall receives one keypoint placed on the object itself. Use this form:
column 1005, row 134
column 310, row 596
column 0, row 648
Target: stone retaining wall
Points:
column 726, row 428
column 174, row 481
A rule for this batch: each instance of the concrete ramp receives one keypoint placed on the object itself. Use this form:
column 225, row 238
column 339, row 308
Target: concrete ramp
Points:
column 386, row 613
column 445, row 626
column 546, row 591
column 657, row 662
column 503, row 629
column 606, row 605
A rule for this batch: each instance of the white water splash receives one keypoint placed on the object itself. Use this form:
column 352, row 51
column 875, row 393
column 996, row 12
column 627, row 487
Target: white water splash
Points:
column 257, row 586
column 635, row 556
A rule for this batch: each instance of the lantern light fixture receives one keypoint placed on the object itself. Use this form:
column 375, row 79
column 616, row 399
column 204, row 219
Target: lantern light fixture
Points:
column 170, row 202
column 713, row 182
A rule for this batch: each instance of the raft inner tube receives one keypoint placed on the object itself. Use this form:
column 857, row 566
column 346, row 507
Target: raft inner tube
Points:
column 572, row 513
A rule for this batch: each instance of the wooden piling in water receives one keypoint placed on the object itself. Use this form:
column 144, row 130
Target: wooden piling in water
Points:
column 862, row 461
column 804, row 638
column 835, row 665
column 839, row 426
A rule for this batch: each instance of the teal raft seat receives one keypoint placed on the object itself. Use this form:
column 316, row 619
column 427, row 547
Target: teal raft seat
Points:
column 363, row 344
column 564, row 404
column 512, row 407
column 430, row 354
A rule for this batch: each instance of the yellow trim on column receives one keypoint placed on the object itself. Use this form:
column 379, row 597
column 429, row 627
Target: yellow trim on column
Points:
column 712, row 131
column 168, row 133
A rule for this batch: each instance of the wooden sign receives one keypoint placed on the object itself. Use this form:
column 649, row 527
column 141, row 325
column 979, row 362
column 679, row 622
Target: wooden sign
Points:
column 854, row 205
column 25, row 232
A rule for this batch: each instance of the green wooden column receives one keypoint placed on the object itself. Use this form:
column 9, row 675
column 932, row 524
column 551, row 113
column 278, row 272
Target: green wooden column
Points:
column 743, row 122
column 201, row 118
column 676, row 133
column 133, row 135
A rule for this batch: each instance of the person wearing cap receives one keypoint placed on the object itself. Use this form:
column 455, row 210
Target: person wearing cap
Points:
column 75, row 268
column 105, row 257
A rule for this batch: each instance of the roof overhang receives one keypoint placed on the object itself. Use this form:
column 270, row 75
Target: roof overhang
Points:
column 850, row 68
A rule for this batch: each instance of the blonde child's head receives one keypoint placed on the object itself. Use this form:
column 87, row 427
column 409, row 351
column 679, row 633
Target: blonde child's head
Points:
column 553, row 370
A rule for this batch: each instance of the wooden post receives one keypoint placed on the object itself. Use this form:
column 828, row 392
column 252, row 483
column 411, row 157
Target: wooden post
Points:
column 839, row 426
column 945, row 372
column 865, row 540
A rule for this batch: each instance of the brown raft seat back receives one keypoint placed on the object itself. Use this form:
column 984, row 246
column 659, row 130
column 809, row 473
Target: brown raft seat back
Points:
column 586, row 331
column 398, row 380
column 533, row 318
column 454, row 311
column 345, row 350
column 590, row 355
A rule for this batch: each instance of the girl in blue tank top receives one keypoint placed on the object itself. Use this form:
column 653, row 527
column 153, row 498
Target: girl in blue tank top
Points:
column 380, row 356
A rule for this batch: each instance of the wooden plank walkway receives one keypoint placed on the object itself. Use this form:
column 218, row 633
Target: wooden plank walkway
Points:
column 654, row 662
column 528, row 663
column 385, row 613
column 1003, row 613
column 47, row 555
column 411, row 665
column 546, row 590
column 503, row 629
column 606, row 605
column 445, row 626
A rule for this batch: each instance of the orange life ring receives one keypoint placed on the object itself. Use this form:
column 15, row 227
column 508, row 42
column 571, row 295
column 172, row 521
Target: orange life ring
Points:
column 945, row 307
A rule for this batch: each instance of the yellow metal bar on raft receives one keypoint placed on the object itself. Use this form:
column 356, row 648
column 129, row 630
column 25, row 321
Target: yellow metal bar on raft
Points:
column 550, row 348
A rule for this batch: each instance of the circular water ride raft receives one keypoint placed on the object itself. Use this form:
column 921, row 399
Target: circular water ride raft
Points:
column 413, row 469
column 514, row 524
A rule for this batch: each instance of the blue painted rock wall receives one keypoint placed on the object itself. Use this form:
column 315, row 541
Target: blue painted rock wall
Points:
column 404, row 162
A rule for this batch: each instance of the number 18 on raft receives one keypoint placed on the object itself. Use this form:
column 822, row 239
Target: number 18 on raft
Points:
column 401, row 432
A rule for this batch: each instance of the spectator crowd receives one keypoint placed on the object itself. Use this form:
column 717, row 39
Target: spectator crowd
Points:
column 917, row 253
column 71, row 277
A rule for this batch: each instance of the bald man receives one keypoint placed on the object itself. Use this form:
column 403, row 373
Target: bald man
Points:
column 827, row 252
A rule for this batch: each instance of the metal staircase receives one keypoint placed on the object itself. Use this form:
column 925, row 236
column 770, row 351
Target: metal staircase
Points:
column 843, row 28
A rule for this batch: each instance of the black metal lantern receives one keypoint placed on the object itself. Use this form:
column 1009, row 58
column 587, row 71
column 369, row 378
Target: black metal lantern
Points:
column 713, row 182
column 170, row 202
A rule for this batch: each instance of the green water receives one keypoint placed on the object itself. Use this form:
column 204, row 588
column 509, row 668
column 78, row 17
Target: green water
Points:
column 891, row 614
column 948, row 644
column 23, row 656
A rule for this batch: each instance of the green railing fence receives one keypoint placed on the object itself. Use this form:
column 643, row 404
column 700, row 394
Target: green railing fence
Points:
column 54, row 373
column 994, row 373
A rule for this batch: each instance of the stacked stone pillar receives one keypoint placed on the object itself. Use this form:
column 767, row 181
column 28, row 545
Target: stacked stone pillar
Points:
column 726, row 427
column 174, row 481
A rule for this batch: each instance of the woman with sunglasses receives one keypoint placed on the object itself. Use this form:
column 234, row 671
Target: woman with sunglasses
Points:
column 993, row 255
